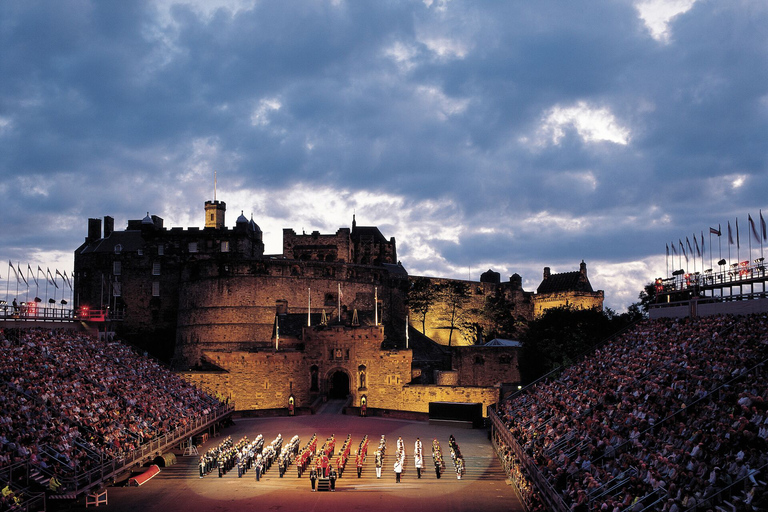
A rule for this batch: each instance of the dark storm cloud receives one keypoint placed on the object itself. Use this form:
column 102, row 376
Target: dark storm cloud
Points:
column 550, row 131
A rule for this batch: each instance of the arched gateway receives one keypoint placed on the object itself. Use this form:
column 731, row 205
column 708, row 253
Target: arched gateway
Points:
column 338, row 384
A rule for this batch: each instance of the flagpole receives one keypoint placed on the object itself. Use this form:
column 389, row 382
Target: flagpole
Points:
column 749, row 238
column 710, row 248
column 666, row 260
column 8, row 282
column 762, row 236
column 277, row 333
column 406, row 331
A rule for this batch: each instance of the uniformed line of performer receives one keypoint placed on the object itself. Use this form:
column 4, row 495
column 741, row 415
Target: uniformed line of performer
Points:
column 247, row 453
column 341, row 459
column 306, row 455
column 458, row 460
column 288, row 455
column 399, row 465
column 418, row 457
column 437, row 458
column 323, row 464
column 210, row 459
column 271, row 452
column 380, row 450
column 362, row 453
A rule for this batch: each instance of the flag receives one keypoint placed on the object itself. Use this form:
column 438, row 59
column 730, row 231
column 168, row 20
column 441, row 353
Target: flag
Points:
column 753, row 229
column 690, row 249
column 667, row 250
column 63, row 280
column 682, row 248
column 696, row 244
column 714, row 231
column 730, row 234
column 21, row 275
column 738, row 240
column 10, row 264
column 674, row 250
column 30, row 273
column 66, row 278
column 762, row 225
column 50, row 278
column 702, row 243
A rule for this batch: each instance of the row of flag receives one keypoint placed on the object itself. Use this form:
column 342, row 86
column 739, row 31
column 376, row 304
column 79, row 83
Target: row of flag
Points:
column 759, row 236
column 49, row 277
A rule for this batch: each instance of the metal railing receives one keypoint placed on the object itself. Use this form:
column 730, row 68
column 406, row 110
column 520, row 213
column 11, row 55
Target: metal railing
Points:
column 548, row 493
column 82, row 482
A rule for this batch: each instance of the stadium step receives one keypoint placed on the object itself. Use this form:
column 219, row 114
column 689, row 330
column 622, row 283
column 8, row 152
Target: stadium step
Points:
column 39, row 478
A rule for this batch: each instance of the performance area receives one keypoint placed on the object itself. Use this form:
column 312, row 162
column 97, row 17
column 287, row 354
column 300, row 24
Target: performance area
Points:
column 483, row 485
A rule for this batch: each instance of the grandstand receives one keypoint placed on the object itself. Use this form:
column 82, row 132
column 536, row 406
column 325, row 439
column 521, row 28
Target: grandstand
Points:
column 76, row 412
column 670, row 415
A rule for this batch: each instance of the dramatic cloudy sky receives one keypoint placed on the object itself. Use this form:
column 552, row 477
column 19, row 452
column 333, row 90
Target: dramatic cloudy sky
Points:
column 510, row 134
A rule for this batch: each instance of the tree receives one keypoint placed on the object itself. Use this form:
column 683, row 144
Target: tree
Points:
column 454, row 294
column 498, row 316
column 422, row 295
column 559, row 336
column 647, row 297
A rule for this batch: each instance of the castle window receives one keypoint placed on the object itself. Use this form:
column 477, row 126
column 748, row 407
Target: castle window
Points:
column 117, row 289
column 225, row 246
column 192, row 246
column 160, row 250
column 140, row 252
column 117, row 268
column 156, row 268
column 155, row 288
column 118, row 249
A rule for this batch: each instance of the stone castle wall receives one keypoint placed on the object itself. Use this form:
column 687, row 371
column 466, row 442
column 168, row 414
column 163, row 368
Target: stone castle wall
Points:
column 572, row 299
column 232, row 307
column 486, row 366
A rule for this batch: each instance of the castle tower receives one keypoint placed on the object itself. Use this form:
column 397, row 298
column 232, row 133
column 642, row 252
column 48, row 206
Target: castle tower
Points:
column 214, row 214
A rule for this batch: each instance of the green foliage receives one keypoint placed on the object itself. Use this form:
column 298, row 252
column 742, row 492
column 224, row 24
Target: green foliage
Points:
column 498, row 318
column 561, row 335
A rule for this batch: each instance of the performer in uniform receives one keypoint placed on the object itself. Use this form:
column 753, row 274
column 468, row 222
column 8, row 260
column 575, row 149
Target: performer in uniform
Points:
column 313, row 477
column 379, row 461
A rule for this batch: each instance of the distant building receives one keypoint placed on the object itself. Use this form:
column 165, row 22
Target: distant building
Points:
column 567, row 289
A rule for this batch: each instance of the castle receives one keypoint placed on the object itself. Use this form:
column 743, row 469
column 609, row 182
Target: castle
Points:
column 332, row 315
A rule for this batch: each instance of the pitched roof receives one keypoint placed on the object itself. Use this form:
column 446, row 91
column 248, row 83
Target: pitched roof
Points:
column 565, row 282
column 500, row 342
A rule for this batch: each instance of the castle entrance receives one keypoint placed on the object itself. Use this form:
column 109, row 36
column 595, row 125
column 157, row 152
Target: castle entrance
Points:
column 338, row 385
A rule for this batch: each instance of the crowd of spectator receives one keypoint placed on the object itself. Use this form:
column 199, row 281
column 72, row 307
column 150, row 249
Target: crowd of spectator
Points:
column 70, row 401
column 667, row 415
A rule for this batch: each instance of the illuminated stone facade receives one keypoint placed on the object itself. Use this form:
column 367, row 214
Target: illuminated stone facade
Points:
column 311, row 321
column 567, row 289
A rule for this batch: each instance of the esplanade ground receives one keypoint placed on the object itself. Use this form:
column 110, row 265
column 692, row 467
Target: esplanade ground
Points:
column 482, row 488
